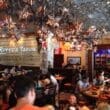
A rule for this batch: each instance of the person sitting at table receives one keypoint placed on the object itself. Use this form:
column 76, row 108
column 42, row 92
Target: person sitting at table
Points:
column 13, row 70
column 19, row 68
column 6, row 71
column 83, row 84
column 72, row 103
column 99, row 79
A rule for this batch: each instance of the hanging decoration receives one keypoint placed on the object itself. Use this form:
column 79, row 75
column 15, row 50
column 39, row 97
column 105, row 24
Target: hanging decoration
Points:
column 68, row 20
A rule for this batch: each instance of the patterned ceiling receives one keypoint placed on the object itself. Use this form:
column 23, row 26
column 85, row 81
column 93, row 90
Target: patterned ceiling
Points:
column 90, row 12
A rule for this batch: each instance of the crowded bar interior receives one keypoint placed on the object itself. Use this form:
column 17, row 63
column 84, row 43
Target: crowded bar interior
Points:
column 54, row 54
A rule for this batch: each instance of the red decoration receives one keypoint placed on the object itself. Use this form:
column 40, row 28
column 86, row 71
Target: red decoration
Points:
column 58, row 51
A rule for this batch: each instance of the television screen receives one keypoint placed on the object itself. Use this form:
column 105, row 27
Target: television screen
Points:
column 74, row 60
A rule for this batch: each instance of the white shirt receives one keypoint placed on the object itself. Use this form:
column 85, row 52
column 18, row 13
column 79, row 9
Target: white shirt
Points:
column 54, row 82
column 82, row 84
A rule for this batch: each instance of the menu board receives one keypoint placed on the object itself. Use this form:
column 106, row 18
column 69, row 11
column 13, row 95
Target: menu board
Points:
column 19, row 52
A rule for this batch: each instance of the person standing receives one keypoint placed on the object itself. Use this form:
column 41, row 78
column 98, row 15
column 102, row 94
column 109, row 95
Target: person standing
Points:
column 25, row 94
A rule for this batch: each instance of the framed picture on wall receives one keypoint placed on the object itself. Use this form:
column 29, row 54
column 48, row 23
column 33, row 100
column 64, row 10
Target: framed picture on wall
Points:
column 74, row 60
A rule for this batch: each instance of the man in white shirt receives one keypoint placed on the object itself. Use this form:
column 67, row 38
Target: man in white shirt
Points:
column 83, row 84
column 54, row 82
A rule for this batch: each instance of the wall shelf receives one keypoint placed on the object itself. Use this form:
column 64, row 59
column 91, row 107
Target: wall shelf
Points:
column 102, row 58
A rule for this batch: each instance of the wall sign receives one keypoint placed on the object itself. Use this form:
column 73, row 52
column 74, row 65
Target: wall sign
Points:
column 4, row 50
column 25, row 54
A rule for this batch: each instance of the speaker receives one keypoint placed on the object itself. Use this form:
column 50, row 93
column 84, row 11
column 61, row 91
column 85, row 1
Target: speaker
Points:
column 58, row 60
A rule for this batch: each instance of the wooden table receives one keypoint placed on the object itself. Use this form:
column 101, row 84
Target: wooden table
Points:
column 97, row 94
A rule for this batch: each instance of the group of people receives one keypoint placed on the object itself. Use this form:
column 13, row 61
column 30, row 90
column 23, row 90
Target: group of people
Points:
column 25, row 94
column 84, row 83
column 44, row 81
column 73, row 105
column 21, row 93
column 13, row 71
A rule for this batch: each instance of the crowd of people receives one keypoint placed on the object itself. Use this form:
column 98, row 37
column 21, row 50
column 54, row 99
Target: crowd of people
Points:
column 41, row 92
